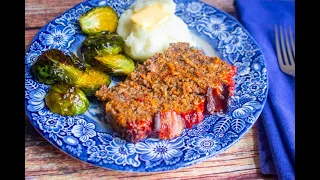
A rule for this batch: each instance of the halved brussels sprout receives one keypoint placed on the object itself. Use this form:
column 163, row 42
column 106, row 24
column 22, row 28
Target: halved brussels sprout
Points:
column 102, row 43
column 99, row 19
column 91, row 80
column 118, row 64
column 53, row 66
column 66, row 100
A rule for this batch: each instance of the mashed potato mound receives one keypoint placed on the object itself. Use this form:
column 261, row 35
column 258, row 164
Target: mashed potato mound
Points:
column 142, row 42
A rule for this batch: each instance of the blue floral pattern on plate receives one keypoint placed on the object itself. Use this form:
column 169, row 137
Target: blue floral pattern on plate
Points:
column 89, row 139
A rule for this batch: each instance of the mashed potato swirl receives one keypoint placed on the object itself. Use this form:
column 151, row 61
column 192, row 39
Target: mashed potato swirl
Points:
column 143, row 42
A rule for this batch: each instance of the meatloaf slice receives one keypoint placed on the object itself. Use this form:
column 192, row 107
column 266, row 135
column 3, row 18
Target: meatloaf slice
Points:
column 167, row 93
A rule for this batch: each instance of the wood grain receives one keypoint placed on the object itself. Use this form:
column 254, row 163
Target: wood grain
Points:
column 39, row 12
column 44, row 161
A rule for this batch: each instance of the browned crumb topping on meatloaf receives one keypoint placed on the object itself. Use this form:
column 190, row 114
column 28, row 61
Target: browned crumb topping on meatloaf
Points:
column 176, row 80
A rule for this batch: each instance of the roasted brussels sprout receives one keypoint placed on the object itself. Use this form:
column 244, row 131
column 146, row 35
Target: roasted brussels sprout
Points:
column 118, row 64
column 66, row 100
column 91, row 80
column 53, row 66
column 102, row 43
column 99, row 19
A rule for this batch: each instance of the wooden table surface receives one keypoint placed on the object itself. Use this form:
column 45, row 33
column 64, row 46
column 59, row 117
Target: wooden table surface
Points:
column 43, row 161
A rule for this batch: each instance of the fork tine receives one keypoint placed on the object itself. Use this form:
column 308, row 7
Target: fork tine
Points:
column 278, row 46
column 283, row 48
column 292, row 42
column 291, row 60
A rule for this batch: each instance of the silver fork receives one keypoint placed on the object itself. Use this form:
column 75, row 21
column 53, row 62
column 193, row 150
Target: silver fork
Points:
column 287, row 65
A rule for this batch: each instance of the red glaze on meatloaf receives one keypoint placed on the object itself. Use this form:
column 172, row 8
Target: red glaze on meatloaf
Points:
column 169, row 92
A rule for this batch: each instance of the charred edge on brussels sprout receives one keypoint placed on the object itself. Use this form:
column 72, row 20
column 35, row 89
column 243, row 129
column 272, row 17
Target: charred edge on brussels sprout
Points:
column 77, row 62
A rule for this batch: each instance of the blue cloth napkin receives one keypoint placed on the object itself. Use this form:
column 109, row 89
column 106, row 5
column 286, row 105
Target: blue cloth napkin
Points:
column 276, row 125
